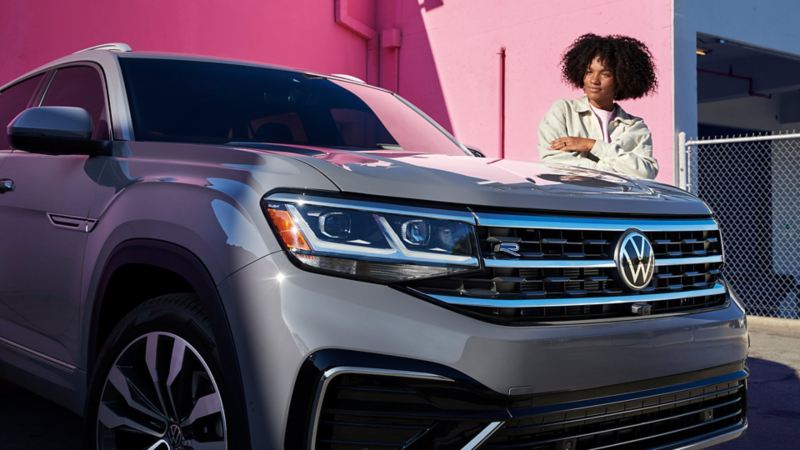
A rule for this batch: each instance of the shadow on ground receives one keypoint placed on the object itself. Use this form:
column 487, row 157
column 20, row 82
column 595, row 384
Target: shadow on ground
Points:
column 30, row 422
column 773, row 408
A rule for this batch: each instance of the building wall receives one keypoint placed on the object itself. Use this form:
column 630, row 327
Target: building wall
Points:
column 770, row 25
column 750, row 113
column 450, row 65
column 297, row 33
column 443, row 55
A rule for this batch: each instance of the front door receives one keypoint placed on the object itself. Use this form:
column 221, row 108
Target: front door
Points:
column 45, row 228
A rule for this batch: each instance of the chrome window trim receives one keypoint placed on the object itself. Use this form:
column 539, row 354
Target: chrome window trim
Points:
column 593, row 223
column 589, row 263
column 365, row 205
column 718, row 288
column 330, row 374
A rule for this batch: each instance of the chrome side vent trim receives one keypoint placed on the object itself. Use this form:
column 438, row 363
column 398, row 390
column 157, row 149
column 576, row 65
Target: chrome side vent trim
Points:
column 83, row 224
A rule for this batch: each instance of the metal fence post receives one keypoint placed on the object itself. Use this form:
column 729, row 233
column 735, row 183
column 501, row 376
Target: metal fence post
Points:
column 682, row 160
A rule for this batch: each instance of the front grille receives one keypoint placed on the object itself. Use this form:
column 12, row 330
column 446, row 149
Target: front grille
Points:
column 541, row 268
column 647, row 422
column 590, row 244
column 514, row 283
column 361, row 411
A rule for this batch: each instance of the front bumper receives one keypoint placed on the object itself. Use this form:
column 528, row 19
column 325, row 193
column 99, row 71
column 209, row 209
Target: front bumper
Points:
column 282, row 315
column 406, row 404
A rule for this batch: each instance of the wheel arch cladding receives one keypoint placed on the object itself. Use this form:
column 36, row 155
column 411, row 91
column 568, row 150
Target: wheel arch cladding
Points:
column 173, row 269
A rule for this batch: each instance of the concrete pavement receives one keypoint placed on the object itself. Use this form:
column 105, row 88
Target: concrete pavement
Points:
column 774, row 386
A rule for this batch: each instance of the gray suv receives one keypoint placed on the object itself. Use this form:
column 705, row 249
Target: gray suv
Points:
column 206, row 254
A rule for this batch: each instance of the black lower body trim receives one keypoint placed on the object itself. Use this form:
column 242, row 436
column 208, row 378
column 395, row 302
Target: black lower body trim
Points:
column 448, row 409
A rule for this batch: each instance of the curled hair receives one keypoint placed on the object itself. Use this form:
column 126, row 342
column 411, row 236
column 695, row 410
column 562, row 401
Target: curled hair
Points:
column 628, row 58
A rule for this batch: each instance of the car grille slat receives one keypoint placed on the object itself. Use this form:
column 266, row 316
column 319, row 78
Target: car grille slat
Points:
column 728, row 400
column 651, row 420
column 732, row 390
column 363, row 411
column 629, row 427
column 570, row 260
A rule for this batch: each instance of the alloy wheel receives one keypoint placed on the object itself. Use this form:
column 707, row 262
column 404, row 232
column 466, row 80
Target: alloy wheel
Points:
column 160, row 395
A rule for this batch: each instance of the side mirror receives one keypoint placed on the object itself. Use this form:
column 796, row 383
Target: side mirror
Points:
column 54, row 130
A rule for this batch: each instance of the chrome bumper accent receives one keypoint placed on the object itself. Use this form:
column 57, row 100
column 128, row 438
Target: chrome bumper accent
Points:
column 482, row 437
column 718, row 288
column 714, row 440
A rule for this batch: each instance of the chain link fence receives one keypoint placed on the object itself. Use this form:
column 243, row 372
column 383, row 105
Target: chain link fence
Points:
column 753, row 186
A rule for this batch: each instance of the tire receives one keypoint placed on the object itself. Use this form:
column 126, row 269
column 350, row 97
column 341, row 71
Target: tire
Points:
column 157, row 382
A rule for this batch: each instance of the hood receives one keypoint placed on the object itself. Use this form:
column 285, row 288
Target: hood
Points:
column 495, row 183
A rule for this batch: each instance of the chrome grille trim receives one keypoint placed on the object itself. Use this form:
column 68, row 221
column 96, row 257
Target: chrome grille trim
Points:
column 593, row 223
column 548, row 264
column 718, row 288
column 589, row 264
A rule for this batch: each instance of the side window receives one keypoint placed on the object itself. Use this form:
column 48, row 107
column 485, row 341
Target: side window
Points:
column 12, row 101
column 81, row 86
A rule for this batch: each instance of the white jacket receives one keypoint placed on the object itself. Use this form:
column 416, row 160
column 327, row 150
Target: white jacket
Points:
column 630, row 151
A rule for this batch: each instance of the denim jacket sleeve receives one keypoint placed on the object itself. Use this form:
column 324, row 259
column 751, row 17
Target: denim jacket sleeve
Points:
column 630, row 151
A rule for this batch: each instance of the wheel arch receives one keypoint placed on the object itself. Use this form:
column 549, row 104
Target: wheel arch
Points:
column 180, row 269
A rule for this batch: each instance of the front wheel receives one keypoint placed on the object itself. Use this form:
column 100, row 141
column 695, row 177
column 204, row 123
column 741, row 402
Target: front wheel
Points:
column 157, row 384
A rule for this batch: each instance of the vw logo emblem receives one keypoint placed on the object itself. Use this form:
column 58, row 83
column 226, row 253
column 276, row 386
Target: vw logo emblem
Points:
column 175, row 437
column 635, row 259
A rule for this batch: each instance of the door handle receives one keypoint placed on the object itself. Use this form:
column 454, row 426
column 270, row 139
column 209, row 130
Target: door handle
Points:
column 6, row 185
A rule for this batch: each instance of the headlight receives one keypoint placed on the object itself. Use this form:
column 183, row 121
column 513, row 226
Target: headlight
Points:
column 373, row 241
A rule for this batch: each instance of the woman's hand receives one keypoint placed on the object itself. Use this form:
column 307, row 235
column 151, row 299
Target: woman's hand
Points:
column 572, row 144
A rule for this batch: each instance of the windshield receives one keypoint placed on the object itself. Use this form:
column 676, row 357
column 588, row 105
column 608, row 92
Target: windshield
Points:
column 227, row 103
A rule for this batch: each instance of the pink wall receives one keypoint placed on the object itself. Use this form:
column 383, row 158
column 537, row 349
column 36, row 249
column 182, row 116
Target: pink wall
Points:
column 449, row 64
column 297, row 33
column 440, row 54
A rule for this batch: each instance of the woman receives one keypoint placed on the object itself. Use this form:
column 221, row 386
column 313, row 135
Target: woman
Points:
column 593, row 131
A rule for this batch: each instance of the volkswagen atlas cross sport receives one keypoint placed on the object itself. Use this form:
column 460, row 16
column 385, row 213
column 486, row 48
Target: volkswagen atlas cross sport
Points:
column 207, row 254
